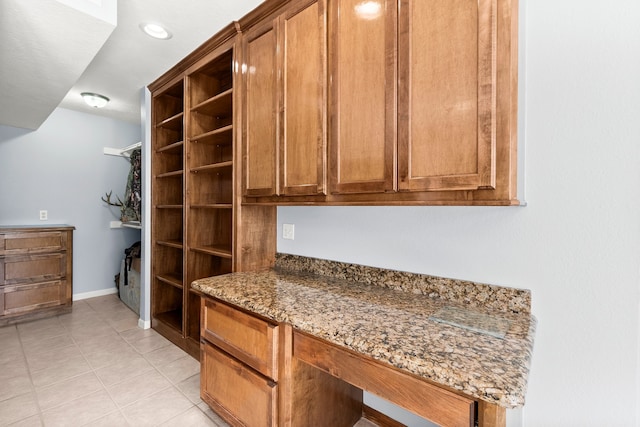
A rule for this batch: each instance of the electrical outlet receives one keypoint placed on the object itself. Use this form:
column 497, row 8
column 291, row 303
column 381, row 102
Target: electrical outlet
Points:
column 287, row 231
column 44, row 215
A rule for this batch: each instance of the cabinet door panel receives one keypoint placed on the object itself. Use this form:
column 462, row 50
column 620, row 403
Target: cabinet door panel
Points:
column 235, row 391
column 447, row 95
column 363, row 86
column 302, row 158
column 261, row 118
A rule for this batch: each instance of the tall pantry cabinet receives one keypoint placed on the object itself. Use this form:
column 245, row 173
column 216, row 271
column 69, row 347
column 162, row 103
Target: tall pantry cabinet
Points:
column 199, row 228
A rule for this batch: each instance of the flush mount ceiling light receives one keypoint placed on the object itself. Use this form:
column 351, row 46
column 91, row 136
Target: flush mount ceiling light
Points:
column 94, row 100
column 156, row 31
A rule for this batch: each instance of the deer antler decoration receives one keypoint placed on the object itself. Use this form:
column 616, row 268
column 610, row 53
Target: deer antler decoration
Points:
column 109, row 202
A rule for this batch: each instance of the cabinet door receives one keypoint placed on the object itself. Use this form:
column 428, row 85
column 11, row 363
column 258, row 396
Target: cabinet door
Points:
column 302, row 153
column 261, row 106
column 447, row 102
column 362, row 58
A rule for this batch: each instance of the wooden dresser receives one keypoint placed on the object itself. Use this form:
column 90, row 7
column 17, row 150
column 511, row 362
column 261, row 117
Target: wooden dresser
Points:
column 35, row 271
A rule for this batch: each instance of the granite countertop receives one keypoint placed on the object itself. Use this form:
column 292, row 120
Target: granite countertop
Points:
column 481, row 350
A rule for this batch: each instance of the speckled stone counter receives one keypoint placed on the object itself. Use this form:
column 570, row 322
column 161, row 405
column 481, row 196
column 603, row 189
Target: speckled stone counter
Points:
column 470, row 337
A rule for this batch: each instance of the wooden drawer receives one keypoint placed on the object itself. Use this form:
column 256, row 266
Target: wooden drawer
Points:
column 252, row 340
column 32, row 242
column 16, row 299
column 241, row 396
column 32, row 268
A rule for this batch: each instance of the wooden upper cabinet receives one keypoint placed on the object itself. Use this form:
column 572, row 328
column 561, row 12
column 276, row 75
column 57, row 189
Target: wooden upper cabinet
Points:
column 447, row 95
column 303, row 41
column 394, row 102
column 260, row 127
column 285, row 69
column 362, row 61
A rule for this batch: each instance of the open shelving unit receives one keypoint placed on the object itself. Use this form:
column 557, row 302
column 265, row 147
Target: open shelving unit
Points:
column 210, row 200
column 167, row 222
column 199, row 227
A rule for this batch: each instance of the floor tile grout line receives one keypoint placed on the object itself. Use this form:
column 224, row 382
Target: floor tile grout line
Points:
column 33, row 386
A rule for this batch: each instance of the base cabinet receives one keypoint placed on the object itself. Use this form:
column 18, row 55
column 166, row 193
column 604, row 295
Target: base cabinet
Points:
column 238, row 365
column 35, row 271
column 256, row 372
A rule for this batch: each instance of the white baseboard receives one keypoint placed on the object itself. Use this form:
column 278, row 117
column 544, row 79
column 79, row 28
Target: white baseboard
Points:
column 144, row 324
column 93, row 294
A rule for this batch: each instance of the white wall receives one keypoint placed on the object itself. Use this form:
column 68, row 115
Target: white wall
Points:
column 61, row 168
column 577, row 243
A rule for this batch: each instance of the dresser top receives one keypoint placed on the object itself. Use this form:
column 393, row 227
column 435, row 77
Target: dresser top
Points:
column 482, row 352
column 39, row 227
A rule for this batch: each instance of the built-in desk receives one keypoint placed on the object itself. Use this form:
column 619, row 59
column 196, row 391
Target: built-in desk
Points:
column 454, row 352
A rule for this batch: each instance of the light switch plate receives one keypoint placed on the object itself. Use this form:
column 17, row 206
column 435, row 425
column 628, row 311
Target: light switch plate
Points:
column 288, row 231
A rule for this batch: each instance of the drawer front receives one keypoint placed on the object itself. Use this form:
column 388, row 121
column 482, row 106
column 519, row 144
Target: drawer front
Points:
column 235, row 391
column 32, row 268
column 247, row 338
column 32, row 242
column 17, row 299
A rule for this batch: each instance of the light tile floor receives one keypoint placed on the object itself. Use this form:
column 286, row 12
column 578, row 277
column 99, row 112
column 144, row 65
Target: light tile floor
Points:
column 95, row 367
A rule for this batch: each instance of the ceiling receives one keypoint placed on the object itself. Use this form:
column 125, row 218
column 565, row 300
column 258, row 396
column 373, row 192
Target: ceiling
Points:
column 52, row 50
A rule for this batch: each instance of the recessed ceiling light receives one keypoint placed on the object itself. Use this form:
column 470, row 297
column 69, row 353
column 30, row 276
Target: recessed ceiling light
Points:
column 156, row 31
column 94, row 100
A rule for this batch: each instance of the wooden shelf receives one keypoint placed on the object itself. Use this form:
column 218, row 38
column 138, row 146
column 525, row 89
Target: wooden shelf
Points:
column 222, row 136
column 221, row 251
column 212, row 206
column 174, row 147
column 173, row 122
column 171, row 243
column 170, row 174
column 213, row 167
column 169, row 207
column 171, row 279
column 218, row 105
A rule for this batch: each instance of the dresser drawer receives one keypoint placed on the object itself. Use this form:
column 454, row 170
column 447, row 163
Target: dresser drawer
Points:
column 32, row 268
column 16, row 299
column 240, row 395
column 32, row 242
column 249, row 339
